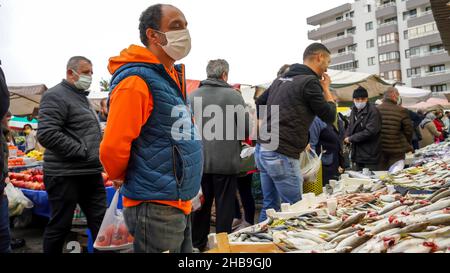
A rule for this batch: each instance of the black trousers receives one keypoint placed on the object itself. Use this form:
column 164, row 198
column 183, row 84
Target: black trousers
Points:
column 244, row 185
column 222, row 188
column 64, row 193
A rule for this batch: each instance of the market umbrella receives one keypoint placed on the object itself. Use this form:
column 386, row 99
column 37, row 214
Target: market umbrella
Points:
column 430, row 104
column 411, row 96
column 25, row 98
column 344, row 83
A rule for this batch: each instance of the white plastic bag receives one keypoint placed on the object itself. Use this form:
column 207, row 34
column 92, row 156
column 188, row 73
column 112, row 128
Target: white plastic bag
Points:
column 17, row 201
column 310, row 165
column 397, row 166
column 198, row 201
column 113, row 234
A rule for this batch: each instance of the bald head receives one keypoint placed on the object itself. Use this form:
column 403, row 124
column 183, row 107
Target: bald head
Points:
column 392, row 94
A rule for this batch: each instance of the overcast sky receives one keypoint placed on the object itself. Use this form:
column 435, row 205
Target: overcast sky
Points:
column 255, row 36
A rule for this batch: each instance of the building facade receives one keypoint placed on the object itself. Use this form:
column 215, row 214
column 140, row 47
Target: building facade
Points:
column 397, row 39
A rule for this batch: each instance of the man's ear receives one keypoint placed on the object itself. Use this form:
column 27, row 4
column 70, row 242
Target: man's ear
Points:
column 152, row 36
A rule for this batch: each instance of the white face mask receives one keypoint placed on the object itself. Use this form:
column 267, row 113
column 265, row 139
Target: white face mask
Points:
column 84, row 81
column 178, row 43
column 360, row 105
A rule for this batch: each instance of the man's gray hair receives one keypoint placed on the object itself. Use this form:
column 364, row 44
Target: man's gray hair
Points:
column 216, row 68
column 74, row 62
column 389, row 92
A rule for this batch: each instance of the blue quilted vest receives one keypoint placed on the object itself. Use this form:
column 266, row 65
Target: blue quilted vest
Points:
column 166, row 160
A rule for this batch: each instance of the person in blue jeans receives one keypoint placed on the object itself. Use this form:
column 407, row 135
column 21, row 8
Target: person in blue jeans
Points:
column 281, row 180
column 285, row 113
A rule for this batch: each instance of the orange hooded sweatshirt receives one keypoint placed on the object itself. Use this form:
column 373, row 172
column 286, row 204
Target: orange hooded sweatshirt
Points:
column 131, row 104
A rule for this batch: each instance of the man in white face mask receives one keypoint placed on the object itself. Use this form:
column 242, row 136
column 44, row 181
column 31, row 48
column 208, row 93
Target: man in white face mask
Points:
column 363, row 132
column 70, row 132
column 158, row 169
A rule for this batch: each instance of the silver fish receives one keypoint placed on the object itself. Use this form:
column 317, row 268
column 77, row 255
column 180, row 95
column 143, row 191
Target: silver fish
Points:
column 395, row 211
column 441, row 204
column 414, row 228
column 434, row 194
column 346, row 249
column 332, row 226
column 442, row 232
column 307, row 235
column 340, row 238
column 404, row 245
column 439, row 219
column 390, row 207
column 355, row 240
column 380, row 228
column 440, row 196
column 354, row 219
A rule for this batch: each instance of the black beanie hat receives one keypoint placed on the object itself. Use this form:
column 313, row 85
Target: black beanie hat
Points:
column 360, row 92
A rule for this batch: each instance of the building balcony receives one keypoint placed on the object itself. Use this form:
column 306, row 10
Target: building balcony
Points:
column 343, row 57
column 430, row 58
column 424, row 18
column 427, row 38
column 329, row 28
column 391, row 65
column 387, row 10
column 318, row 18
column 389, row 47
column 386, row 28
column 339, row 42
column 431, row 78
column 412, row 4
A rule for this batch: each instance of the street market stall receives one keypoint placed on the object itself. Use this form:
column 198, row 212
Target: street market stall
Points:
column 25, row 98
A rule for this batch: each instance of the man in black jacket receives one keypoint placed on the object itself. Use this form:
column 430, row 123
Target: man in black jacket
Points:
column 5, row 239
column 293, row 100
column 70, row 132
column 364, row 132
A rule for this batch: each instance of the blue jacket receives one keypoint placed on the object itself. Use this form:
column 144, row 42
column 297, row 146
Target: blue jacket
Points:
column 166, row 159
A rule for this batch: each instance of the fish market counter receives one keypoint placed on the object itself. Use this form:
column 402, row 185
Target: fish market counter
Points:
column 407, row 211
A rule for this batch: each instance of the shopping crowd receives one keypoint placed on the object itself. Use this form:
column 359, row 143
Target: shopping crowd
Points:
column 160, row 170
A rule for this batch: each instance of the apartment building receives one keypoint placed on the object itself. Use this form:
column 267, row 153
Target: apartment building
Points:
column 397, row 39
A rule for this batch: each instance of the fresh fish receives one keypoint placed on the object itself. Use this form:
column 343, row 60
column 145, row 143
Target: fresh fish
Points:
column 439, row 219
column 434, row 194
column 440, row 196
column 332, row 226
column 395, row 211
column 350, row 229
column 442, row 232
column 390, row 207
column 404, row 245
column 389, row 232
column 263, row 236
column 341, row 237
column 383, row 227
column 442, row 244
column 354, row 219
column 355, row 240
column 419, row 249
column 300, row 242
column 414, row 228
column 441, row 204
column 346, row 249
column 307, row 235
column 388, row 198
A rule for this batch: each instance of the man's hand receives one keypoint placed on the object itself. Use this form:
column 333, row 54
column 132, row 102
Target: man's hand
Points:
column 308, row 148
column 117, row 184
column 325, row 82
column 347, row 140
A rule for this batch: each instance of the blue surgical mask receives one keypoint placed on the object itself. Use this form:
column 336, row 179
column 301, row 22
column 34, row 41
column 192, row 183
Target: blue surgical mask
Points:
column 360, row 105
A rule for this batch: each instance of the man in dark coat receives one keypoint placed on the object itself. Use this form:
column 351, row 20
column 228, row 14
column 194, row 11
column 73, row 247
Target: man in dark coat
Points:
column 396, row 130
column 70, row 132
column 364, row 132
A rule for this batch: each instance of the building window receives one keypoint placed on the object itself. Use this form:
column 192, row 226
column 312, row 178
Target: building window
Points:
column 370, row 43
column 392, row 75
column 341, row 51
column 389, row 57
column 438, row 88
column 437, row 48
column 369, row 26
column 413, row 72
column 407, row 53
column 405, row 34
column 369, row 8
column 390, row 20
column 428, row 8
column 388, row 39
column 340, row 34
column 349, row 15
column 371, row 61
column 352, row 48
column 437, row 68
column 409, row 14
column 340, row 18
column 422, row 30
column 351, row 30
